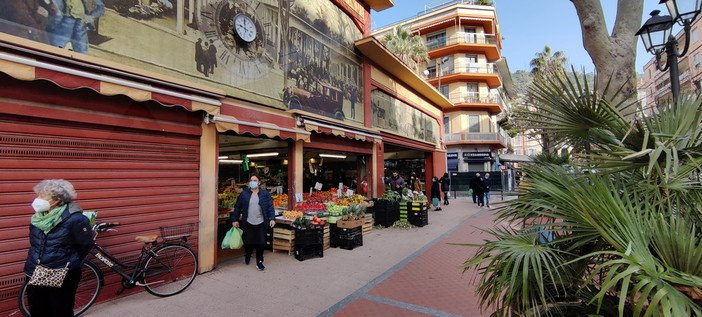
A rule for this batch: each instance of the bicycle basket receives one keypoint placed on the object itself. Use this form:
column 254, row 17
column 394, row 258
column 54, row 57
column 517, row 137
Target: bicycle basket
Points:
column 179, row 232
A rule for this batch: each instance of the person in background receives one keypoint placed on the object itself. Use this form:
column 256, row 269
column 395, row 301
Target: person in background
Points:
column 435, row 193
column 59, row 236
column 363, row 189
column 254, row 214
column 445, row 187
column 396, row 182
column 488, row 183
column 415, row 184
column 478, row 187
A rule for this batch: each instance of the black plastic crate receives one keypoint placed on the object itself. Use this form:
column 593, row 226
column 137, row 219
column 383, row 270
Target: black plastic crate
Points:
column 308, row 251
column 309, row 236
column 337, row 235
column 356, row 241
column 386, row 212
column 419, row 221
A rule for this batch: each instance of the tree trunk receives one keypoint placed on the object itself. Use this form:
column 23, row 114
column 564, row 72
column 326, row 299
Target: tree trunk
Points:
column 614, row 55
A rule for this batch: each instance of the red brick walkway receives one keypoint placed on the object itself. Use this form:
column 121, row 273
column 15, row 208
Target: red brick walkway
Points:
column 429, row 283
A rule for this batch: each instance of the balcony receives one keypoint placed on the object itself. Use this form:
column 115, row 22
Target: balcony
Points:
column 496, row 139
column 461, row 42
column 481, row 72
column 491, row 102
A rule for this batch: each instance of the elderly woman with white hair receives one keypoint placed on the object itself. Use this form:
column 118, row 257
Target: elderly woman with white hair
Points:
column 60, row 237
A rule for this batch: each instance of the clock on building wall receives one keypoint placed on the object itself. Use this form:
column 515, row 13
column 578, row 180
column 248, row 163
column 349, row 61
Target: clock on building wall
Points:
column 245, row 34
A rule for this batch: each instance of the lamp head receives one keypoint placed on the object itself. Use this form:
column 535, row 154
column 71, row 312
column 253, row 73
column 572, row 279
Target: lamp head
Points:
column 685, row 10
column 655, row 31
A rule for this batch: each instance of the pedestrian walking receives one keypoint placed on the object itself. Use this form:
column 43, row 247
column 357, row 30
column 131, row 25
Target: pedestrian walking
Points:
column 435, row 193
column 478, row 187
column 445, row 187
column 415, row 184
column 254, row 214
column 488, row 183
column 60, row 237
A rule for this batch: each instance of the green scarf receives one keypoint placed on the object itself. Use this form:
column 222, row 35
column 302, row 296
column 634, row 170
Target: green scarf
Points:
column 48, row 220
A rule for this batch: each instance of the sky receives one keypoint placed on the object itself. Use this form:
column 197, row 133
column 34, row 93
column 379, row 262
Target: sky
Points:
column 529, row 25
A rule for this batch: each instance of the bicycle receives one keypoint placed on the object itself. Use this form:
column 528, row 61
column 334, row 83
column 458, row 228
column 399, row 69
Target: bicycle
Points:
column 166, row 266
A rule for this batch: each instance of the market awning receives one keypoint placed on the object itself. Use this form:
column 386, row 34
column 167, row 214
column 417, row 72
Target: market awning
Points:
column 240, row 119
column 337, row 130
column 29, row 69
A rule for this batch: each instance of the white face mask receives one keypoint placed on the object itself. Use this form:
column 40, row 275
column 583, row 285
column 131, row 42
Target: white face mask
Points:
column 40, row 205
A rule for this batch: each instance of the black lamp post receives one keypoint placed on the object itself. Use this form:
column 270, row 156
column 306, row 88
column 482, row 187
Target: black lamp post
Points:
column 656, row 36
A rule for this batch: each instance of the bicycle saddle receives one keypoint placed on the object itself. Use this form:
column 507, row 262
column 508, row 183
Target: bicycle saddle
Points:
column 146, row 239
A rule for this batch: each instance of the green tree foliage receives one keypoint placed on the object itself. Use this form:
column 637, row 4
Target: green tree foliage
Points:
column 616, row 232
column 409, row 48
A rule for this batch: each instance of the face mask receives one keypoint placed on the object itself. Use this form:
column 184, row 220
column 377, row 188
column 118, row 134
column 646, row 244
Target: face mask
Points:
column 40, row 205
column 253, row 185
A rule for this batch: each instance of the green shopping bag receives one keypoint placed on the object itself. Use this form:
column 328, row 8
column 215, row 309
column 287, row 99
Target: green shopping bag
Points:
column 233, row 240
column 470, row 192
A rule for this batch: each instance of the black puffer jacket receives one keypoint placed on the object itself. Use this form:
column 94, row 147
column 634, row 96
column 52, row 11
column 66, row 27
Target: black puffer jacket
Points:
column 69, row 241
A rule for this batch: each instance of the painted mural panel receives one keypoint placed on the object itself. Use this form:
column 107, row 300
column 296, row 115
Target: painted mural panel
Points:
column 390, row 113
column 281, row 53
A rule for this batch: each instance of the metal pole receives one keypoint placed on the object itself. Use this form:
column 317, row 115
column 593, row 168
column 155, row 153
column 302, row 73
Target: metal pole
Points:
column 671, row 51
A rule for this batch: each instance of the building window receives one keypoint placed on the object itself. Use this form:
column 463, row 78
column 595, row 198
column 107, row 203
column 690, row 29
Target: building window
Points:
column 471, row 34
column 474, row 123
column 531, row 152
column 518, row 152
column 436, row 40
column 447, row 127
column 444, row 90
column 694, row 36
column 696, row 60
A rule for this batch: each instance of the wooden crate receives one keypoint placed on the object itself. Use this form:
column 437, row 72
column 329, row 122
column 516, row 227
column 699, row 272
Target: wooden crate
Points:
column 284, row 234
column 368, row 223
column 284, row 245
column 326, row 240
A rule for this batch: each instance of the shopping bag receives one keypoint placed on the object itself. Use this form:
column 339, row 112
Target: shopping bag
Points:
column 236, row 241
column 470, row 192
column 435, row 202
column 227, row 237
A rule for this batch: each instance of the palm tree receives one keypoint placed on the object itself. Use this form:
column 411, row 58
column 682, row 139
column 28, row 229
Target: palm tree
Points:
column 546, row 64
column 409, row 48
column 617, row 232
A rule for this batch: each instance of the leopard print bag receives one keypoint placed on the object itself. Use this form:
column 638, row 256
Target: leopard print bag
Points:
column 44, row 276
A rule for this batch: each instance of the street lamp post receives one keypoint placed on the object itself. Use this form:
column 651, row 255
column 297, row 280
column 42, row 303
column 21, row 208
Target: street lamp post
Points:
column 656, row 36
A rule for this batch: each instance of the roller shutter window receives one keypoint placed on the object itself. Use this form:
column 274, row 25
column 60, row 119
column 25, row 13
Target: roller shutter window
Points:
column 143, row 178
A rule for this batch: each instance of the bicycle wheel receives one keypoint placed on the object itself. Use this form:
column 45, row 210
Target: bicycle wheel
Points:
column 88, row 290
column 170, row 271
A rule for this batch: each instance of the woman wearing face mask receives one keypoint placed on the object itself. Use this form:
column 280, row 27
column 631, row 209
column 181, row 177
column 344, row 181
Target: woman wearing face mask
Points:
column 59, row 236
column 254, row 213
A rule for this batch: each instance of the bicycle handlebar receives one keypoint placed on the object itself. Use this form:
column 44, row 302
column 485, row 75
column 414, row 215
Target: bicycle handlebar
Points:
column 104, row 226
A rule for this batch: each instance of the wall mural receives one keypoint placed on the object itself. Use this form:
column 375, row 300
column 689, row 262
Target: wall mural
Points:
column 390, row 113
column 295, row 54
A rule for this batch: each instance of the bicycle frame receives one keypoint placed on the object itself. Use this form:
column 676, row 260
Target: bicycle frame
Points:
column 116, row 265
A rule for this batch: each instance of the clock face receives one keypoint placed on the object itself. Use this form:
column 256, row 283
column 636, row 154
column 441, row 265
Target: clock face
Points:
column 245, row 35
column 245, row 27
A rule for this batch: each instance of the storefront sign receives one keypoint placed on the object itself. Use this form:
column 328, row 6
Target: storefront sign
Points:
column 451, row 155
column 284, row 54
column 477, row 154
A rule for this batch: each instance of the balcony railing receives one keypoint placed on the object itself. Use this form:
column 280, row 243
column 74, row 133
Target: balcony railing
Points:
column 462, row 37
column 483, row 68
column 501, row 137
column 474, row 97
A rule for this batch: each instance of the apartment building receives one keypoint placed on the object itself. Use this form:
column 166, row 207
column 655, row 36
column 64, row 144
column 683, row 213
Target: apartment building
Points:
column 463, row 41
column 656, row 83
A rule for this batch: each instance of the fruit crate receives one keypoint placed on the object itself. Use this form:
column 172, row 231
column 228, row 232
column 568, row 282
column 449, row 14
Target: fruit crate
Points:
column 284, row 245
column 309, row 236
column 368, row 223
column 386, row 212
column 419, row 221
column 325, row 238
column 409, row 210
column 304, row 252
column 283, row 233
column 356, row 241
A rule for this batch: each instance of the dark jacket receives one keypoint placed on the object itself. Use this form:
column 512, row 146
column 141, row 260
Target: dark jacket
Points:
column 241, row 207
column 396, row 184
column 477, row 185
column 435, row 193
column 488, row 183
column 445, row 183
column 69, row 241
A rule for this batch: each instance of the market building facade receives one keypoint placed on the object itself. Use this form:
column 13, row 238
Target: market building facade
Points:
column 155, row 113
